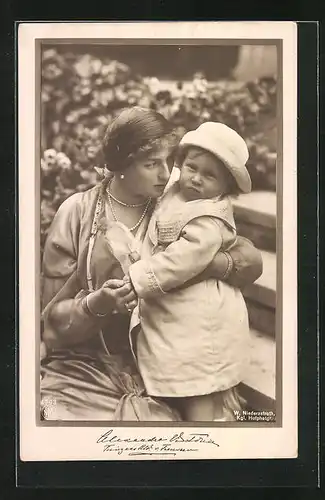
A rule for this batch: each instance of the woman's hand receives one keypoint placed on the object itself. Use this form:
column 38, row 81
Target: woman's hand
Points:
column 113, row 295
column 247, row 263
column 246, row 266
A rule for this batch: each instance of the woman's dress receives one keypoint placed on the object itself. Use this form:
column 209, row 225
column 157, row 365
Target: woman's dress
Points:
column 89, row 372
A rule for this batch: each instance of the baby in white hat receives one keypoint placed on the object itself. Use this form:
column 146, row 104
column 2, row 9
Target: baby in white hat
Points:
column 194, row 335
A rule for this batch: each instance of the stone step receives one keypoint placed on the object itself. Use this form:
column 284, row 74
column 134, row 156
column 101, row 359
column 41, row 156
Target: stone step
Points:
column 257, row 208
column 262, row 237
column 263, row 291
column 259, row 385
column 261, row 318
column 260, row 297
column 255, row 216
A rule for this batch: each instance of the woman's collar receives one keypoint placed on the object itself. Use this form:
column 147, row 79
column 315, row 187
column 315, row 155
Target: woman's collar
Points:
column 174, row 177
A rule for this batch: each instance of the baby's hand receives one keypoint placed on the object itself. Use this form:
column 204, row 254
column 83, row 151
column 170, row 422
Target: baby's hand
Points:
column 134, row 256
column 131, row 300
column 110, row 297
column 124, row 294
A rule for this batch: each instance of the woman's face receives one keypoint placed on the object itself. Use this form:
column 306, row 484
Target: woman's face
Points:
column 148, row 176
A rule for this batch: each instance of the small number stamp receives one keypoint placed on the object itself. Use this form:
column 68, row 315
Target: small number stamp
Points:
column 48, row 408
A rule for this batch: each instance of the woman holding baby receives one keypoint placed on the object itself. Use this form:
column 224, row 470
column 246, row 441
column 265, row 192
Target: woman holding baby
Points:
column 91, row 370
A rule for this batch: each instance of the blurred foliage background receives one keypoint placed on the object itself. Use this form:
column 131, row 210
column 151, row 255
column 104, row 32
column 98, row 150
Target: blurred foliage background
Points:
column 83, row 88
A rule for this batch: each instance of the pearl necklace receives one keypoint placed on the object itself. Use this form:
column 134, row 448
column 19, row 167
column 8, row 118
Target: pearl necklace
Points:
column 147, row 204
column 122, row 202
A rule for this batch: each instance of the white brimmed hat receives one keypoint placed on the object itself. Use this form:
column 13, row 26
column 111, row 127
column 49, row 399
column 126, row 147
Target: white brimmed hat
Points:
column 223, row 142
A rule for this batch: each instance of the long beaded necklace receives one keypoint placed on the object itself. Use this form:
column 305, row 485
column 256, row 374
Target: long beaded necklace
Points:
column 122, row 202
column 146, row 207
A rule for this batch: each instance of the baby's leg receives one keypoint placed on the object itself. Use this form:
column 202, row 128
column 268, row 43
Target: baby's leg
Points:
column 204, row 408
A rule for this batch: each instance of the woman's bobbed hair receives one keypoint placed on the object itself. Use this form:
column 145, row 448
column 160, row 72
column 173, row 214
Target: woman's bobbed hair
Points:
column 134, row 132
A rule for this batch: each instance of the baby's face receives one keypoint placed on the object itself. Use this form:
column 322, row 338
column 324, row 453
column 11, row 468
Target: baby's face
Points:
column 203, row 175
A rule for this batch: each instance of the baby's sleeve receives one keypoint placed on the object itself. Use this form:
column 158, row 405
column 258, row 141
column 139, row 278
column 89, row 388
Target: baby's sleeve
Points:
column 181, row 261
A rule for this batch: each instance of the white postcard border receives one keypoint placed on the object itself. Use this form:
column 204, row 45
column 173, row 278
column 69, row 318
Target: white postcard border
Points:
column 60, row 443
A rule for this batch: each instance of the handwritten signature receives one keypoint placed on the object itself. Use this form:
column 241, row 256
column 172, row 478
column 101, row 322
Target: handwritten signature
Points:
column 179, row 442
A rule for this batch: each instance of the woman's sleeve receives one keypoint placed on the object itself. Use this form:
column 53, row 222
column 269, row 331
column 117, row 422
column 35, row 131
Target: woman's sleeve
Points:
column 61, row 249
column 248, row 263
column 64, row 320
column 181, row 261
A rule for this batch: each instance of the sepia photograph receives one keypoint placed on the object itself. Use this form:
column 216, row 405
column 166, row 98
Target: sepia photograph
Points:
column 158, row 243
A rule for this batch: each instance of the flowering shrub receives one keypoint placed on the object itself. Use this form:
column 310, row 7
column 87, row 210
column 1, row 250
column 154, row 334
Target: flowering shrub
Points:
column 59, row 179
column 81, row 94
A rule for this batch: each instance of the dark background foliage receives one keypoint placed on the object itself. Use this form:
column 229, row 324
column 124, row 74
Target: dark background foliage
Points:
column 82, row 89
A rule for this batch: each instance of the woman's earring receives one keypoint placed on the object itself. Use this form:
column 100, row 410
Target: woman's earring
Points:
column 122, row 176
